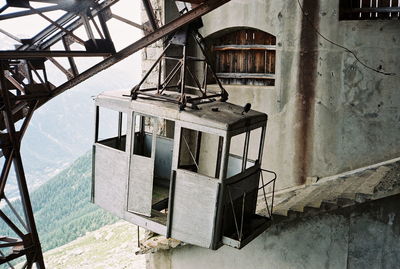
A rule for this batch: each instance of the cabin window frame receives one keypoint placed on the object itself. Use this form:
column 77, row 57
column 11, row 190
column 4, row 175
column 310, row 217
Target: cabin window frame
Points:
column 154, row 126
column 196, row 156
column 121, row 139
column 245, row 153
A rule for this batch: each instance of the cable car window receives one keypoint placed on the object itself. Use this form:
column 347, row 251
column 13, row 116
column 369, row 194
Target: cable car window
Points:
column 200, row 152
column 236, row 154
column 166, row 128
column 144, row 130
column 244, row 151
column 254, row 147
column 111, row 128
column 164, row 149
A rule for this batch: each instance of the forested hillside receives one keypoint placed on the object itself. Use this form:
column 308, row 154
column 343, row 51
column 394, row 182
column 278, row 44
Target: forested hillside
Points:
column 62, row 206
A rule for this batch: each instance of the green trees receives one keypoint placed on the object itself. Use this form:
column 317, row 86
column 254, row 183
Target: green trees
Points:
column 62, row 206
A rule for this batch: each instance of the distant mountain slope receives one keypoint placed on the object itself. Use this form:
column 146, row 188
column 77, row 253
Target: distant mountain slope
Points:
column 63, row 129
column 112, row 246
column 62, row 206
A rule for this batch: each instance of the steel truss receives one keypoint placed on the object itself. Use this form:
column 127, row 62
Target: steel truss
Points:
column 182, row 73
column 25, row 85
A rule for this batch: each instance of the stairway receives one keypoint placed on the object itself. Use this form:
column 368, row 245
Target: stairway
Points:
column 343, row 190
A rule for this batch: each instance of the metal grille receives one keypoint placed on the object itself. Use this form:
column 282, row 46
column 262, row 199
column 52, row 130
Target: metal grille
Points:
column 369, row 9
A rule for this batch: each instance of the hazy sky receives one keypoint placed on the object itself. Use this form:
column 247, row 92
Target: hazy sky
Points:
column 32, row 24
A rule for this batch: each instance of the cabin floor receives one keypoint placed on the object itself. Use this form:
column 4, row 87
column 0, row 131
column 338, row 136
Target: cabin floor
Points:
column 160, row 193
column 159, row 212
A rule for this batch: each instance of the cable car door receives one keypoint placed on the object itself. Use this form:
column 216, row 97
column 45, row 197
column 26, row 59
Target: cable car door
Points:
column 141, row 174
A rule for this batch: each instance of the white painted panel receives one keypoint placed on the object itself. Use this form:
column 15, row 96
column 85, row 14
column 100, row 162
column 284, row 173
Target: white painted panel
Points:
column 194, row 207
column 141, row 185
column 111, row 175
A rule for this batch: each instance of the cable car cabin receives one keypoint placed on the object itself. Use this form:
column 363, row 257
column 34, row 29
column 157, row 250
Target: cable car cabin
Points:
column 191, row 175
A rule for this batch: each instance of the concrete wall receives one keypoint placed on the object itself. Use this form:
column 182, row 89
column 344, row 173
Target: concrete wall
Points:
column 328, row 114
column 367, row 236
column 152, row 52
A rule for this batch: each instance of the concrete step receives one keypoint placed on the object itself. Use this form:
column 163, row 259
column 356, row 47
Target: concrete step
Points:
column 283, row 207
column 368, row 186
column 329, row 205
column 323, row 195
column 331, row 192
column 347, row 189
column 308, row 210
column 353, row 184
column 291, row 214
column 315, row 194
column 362, row 197
column 343, row 202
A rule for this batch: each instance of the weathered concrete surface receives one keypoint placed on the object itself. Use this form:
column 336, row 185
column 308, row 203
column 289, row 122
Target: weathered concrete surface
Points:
column 357, row 110
column 327, row 113
column 357, row 186
column 364, row 236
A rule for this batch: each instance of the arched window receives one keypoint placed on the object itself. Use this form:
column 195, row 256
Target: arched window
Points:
column 244, row 56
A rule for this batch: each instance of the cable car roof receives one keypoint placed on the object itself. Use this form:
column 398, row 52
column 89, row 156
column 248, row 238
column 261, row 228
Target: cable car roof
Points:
column 218, row 115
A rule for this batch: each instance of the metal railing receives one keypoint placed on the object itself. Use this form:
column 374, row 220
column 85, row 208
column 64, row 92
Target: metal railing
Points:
column 272, row 181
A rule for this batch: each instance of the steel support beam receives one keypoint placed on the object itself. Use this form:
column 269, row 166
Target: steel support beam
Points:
column 71, row 18
column 31, row 239
column 31, row 12
column 141, row 43
column 23, row 54
column 150, row 14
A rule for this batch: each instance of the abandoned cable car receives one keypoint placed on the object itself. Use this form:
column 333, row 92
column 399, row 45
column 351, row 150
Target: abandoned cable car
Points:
column 191, row 175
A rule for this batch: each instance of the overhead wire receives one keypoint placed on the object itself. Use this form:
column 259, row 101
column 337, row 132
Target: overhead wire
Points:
column 341, row 46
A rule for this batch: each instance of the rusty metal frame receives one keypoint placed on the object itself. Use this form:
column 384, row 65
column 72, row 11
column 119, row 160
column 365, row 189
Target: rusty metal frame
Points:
column 11, row 149
column 269, row 207
column 180, row 40
column 25, row 86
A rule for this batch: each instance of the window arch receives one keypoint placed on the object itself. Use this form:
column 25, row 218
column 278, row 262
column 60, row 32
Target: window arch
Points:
column 244, row 56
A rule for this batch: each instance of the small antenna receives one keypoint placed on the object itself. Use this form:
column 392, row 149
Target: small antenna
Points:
column 246, row 108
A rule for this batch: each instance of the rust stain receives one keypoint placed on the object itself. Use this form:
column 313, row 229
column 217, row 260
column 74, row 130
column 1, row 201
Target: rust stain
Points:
column 306, row 90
